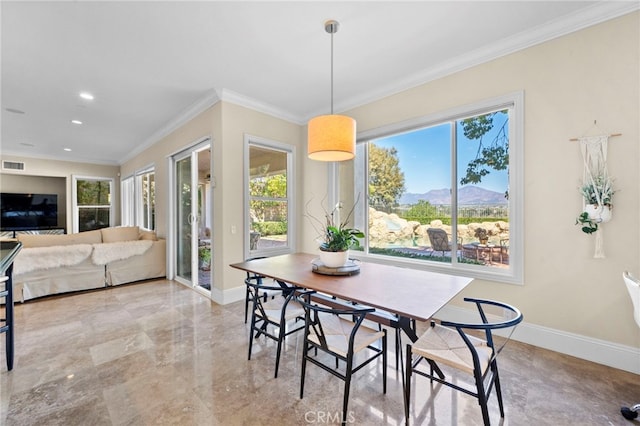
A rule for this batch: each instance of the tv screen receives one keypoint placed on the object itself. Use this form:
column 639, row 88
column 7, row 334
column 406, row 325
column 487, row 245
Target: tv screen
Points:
column 28, row 211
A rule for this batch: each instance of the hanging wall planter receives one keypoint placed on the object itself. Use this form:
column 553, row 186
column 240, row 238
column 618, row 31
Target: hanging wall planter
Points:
column 598, row 213
column 597, row 189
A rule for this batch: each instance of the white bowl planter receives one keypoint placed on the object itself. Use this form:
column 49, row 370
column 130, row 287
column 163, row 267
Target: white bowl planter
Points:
column 334, row 259
column 599, row 214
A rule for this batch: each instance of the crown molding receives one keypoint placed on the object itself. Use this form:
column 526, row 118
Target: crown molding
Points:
column 596, row 14
column 209, row 99
column 227, row 95
column 68, row 158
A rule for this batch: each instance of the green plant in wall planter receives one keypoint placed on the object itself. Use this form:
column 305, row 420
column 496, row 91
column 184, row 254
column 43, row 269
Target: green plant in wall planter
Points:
column 588, row 225
column 598, row 195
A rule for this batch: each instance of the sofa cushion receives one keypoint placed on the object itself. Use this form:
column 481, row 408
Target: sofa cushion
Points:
column 120, row 233
column 87, row 237
column 148, row 235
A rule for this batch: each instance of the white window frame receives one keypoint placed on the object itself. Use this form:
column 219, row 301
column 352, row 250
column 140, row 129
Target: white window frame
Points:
column 74, row 199
column 290, row 150
column 515, row 102
column 139, row 198
column 127, row 201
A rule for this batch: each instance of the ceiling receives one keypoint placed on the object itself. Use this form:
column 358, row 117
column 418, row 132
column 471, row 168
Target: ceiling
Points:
column 152, row 65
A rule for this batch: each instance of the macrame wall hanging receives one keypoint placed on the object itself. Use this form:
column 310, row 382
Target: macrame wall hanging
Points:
column 597, row 189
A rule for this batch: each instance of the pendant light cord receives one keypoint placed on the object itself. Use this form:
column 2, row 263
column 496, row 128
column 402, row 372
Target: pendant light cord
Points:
column 332, row 73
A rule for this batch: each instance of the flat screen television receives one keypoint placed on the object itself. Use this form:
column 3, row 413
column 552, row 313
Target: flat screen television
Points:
column 19, row 212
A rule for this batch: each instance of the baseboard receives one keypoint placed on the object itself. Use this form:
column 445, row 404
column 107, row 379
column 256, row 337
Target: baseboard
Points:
column 600, row 351
column 225, row 297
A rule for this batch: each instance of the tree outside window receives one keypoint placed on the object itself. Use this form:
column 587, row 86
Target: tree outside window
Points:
column 93, row 201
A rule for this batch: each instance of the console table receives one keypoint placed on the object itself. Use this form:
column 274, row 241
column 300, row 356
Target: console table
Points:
column 8, row 252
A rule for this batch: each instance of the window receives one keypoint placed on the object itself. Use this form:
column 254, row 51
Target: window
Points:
column 444, row 192
column 139, row 200
column 127, row 204
column 146, row 199
column 92, row 203
column 268, row 192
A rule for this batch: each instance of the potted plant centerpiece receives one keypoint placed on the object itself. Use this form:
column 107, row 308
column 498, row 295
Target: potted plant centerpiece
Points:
column 336, row 238
column 597, row 196
column 482, row 235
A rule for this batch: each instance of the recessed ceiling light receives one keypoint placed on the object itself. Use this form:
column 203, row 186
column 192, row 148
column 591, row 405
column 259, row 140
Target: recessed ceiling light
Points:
column 13, row 110
column 76, row 121
column 86, row 95
column 67, row 149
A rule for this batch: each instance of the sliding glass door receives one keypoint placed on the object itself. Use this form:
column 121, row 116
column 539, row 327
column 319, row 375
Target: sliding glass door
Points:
column 192, row 227
column 184, row 219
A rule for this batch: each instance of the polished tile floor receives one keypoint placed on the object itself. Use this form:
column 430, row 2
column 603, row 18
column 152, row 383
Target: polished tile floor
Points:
column 159, row 353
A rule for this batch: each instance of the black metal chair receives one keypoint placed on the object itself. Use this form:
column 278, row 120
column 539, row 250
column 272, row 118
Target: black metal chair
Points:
column 339, row 332
column 449, row 344
column 265, row 294
column 279, row 312
column 6, row 323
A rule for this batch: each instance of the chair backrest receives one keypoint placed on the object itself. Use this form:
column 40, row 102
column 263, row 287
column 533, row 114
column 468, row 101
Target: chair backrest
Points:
column 314, row 321
column 633, row 286
column 439, row 239
column 513, row 312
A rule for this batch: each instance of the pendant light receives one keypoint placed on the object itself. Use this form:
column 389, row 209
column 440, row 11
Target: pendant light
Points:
column 331, row 137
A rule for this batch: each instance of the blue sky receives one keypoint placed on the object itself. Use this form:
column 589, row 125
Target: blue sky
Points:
column 425, row 158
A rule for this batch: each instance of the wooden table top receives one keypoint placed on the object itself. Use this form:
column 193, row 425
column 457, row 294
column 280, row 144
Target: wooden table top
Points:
column 411, row 293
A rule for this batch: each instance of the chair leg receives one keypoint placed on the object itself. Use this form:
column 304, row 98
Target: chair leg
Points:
column 281, row 337
column 496, row 383
column 304, row 368
column 384, row 363
column 398, row 346
column 253, row 324
column 347, row 385
column 482, row 398
column 407, row 385
column 246, row 305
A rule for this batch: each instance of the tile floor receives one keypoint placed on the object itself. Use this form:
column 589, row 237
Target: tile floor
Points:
column 159, row 353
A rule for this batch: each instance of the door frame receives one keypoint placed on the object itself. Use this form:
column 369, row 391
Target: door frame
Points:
column 172, row 238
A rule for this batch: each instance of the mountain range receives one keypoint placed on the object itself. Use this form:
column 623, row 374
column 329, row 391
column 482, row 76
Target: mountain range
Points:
column 467, row 195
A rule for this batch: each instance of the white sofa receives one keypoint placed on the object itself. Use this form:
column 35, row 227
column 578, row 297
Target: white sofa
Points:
column 53, row 264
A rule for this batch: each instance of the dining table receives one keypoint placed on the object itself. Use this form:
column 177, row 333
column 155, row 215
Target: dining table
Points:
column 410, row 294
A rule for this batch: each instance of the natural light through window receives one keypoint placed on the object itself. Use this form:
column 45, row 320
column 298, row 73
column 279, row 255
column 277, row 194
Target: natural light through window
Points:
column 438, row 192
column 268, row 197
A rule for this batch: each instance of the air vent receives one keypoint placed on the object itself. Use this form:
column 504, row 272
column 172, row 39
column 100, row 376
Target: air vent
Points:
column 12, row 165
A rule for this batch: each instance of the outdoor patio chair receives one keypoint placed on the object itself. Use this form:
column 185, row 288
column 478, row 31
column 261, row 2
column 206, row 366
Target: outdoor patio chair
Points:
column 440, row 241
column 339, row 332
column 283, row 313
column 449, row 344
column 633, row 286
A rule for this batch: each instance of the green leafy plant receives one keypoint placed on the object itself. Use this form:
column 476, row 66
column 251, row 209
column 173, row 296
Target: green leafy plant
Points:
column 588, row 225
column 204, row 254
column 598, row 191
column 336, row 237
